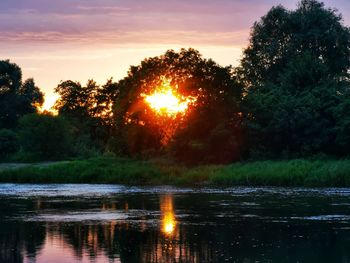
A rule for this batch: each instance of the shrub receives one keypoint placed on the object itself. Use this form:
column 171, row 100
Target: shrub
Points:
column 46, row 136
column 8, row 142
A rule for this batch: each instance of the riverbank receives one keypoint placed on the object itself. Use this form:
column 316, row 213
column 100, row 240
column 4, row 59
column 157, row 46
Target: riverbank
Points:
column 311, row 173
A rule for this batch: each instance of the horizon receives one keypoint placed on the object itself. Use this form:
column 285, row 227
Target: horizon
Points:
column 80, row 40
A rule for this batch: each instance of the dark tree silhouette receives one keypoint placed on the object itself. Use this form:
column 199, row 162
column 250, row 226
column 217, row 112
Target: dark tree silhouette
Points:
column 296, row 78
column 45, row 137
column 209, row 132
column 8, row 143
column 89, row 111
column 16, row 98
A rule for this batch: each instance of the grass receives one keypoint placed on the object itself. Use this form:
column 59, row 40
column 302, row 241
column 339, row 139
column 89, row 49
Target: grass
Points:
column 313, row 173
column 330, row 173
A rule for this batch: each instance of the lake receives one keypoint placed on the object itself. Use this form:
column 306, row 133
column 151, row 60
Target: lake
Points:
column 114, row 223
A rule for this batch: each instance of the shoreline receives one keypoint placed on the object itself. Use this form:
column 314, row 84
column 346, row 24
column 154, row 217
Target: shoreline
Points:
column 111, row 170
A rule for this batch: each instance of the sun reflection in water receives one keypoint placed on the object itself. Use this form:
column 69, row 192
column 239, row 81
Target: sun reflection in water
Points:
column 168, row 214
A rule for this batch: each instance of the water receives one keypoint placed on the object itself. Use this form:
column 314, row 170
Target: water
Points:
column 113, row 223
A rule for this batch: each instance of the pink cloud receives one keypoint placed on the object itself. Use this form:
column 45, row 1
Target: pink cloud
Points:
column 233, row 38
column 110, row 20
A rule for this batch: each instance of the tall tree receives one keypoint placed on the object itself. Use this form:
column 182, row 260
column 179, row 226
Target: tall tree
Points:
column 89, row 110
column 16, row 98
column 213, row 117
column 281, row 35
column 75, row 99
column 295, row 72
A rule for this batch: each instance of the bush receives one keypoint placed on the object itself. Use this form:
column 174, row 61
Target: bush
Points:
column 8, row 142
column 45, row 136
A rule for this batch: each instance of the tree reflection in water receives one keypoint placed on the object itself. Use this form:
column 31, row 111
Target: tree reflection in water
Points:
column 172, row 228
column 110, row 241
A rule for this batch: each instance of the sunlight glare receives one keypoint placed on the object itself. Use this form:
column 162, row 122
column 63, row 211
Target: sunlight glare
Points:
column 165, row 101
column 169, row 227
column 49, row 102
column 168, row 215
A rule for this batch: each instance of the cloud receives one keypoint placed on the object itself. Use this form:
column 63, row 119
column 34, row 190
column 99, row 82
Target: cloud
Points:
column 54, row 40
column 103, row 9
column 83, row 15
column 178, row 21
column 176, row 37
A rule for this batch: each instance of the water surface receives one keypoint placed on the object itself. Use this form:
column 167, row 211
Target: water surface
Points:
column 114, row 223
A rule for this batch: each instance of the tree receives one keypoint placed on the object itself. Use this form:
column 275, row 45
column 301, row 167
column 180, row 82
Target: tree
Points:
column 295, row 73
column 281, row 35
column 89, row 110
column 45, row 136
column 104, row 100
column 193, row 136
column 16, row 98
column 8, row 142
column 75, row 100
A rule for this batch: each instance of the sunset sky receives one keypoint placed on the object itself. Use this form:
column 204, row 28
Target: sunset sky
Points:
column 54, row 40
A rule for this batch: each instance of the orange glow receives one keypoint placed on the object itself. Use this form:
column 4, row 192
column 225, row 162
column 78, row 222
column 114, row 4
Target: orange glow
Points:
column 48, row 104
column 169, row 225
column 166, row 101
column 168, row 215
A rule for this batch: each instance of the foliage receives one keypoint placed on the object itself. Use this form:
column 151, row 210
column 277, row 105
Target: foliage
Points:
column 296, row 78
column 16, row 98
column 311, row 173
column 289, row 98
column 213, row 117
column 281, row 35
column 89, row 111
column 97, row 170
column 8, row 143
column 316, row 173
column 45, row 136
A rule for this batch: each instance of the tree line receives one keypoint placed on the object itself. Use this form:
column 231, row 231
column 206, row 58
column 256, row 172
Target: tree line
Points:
column 288, row 98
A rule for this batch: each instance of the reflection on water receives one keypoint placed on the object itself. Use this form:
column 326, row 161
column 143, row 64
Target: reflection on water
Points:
column 170, row 225
column 106, row 241
column 168, row 214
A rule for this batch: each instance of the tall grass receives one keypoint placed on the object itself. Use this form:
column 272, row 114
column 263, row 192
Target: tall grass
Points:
column 96, row 170
column 329, row 173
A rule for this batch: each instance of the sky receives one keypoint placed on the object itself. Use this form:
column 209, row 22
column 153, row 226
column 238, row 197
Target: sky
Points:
column 57, row 40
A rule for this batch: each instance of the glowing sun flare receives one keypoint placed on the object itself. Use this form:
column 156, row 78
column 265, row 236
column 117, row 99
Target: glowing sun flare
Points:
column 169, row 227
column 165, row 101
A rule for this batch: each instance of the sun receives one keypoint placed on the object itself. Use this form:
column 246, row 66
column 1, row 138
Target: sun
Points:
column 166, row 101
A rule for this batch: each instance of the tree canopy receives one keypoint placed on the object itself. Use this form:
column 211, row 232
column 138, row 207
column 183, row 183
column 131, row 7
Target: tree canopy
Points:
column 45, row 136
column 282, row 35
column 89, row 110
column 289, row 97
column 213, row 116
column 8, row 143
column 17, row 98
column 295, row 73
